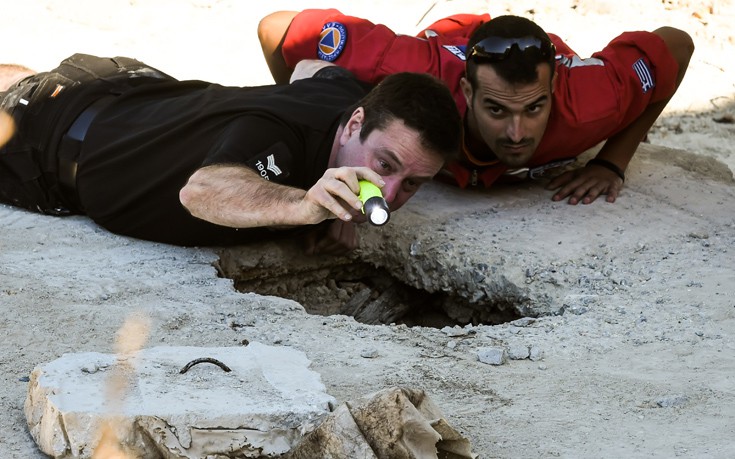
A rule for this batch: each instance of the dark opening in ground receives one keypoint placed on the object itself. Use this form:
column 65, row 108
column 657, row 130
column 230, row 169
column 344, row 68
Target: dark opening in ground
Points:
column 370, row 295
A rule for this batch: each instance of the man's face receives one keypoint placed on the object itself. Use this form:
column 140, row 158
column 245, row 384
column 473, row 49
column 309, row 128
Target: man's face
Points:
column 509, row 118
column 396, row 153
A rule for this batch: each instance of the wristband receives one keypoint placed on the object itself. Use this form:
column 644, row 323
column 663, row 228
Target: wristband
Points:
column 607, row 165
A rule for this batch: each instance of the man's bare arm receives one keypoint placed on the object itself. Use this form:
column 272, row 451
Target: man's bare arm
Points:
column 271, row 33
column 586, row 184
column 237, row 197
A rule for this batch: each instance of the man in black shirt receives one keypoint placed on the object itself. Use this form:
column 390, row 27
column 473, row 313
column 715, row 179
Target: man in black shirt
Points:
column 196, row 163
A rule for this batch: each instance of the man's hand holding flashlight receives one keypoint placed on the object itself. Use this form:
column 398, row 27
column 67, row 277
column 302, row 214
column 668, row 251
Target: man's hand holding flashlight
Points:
column 336, row 194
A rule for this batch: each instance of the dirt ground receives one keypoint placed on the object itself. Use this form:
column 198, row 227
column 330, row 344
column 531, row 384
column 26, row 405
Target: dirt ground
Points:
column 633, row 351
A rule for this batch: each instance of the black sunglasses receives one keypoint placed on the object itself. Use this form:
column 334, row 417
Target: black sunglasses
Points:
column 494, row 49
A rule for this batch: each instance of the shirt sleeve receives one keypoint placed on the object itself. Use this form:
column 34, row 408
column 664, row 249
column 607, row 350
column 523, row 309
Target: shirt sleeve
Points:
column 288, row 137
column 373, row 51
column 259, row 142
column 457, row 26
column 332, row 36
column 619, row 82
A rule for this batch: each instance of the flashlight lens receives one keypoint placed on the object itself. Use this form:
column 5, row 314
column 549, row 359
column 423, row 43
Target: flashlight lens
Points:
column 377, row 211
column 378, row 216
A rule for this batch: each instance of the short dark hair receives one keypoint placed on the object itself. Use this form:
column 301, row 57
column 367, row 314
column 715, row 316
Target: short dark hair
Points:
column 422, row 102
column 520, row 66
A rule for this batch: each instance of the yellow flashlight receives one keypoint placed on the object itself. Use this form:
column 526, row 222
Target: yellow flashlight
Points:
column 373, row 205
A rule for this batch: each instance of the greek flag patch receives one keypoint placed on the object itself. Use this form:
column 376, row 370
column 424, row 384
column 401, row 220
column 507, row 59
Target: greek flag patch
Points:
column 332, row 41
column 644, row 74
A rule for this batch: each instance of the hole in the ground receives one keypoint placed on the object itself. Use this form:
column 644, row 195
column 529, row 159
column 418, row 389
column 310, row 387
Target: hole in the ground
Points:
column 370, row 295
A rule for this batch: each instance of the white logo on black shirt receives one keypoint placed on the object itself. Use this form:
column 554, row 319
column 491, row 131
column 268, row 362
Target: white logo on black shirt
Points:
column 264, row 169
column 272, row 165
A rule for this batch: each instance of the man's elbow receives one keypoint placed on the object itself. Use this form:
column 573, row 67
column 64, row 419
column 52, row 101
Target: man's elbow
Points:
column 680, row 44
column 186, row 198
column 191, row 195
column 273, row 27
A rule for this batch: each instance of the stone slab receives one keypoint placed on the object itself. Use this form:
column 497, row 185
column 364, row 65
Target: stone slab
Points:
column 260, row 408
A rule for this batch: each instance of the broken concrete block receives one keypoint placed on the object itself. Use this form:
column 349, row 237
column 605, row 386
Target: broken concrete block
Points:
column 261, row 408
column 519, row 352
column 536, row 353
column 492, row 355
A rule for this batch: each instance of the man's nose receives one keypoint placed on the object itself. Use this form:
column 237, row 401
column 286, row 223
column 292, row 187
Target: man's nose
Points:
column 390, row 189
column 516, row 129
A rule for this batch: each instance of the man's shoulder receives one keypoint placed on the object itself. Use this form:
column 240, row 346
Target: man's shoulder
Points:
column 332, row 81
column 456, row 26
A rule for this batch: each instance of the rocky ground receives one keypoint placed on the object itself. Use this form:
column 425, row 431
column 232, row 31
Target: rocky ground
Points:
column 621, row 336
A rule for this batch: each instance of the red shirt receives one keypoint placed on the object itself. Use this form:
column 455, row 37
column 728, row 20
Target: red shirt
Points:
column 593, row 98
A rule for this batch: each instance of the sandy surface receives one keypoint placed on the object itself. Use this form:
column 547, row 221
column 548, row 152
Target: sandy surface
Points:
column 638, row 354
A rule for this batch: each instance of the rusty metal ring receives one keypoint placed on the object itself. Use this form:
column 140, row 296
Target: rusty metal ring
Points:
column 186, row 368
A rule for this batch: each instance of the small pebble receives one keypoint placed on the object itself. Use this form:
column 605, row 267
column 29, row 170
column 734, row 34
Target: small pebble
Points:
column 369, row 353
column 454, row 331
column 672, row 401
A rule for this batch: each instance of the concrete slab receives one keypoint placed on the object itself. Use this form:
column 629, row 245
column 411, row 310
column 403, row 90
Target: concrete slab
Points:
column 258, row 406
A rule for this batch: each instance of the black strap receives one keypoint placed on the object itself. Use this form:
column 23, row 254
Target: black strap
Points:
column 607, row 165
column 71, row 145
column 80, row 126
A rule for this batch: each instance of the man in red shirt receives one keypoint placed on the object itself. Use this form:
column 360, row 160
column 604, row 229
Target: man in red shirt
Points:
column 529, row 102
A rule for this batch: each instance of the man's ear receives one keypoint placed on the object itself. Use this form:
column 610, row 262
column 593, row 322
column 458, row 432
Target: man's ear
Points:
column 553, row 81
column 466, row 90
column 353, row 125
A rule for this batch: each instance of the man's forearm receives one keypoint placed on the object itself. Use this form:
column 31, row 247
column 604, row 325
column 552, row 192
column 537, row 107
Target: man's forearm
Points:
column 620, row 148
column 237, row 197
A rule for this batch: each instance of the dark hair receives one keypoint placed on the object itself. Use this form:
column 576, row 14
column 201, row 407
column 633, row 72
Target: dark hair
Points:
column 422, row 102
column 519, row 66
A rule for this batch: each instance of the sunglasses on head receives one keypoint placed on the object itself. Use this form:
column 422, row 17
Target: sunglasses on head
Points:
column 495, row 49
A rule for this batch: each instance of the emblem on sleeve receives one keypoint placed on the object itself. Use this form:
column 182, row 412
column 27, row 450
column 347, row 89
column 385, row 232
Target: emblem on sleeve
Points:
column 273, row 163
column 644, row 74
column 332, row 41
column 458, row 51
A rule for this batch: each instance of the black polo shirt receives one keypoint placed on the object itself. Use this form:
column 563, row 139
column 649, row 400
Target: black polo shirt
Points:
column 141, row 150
